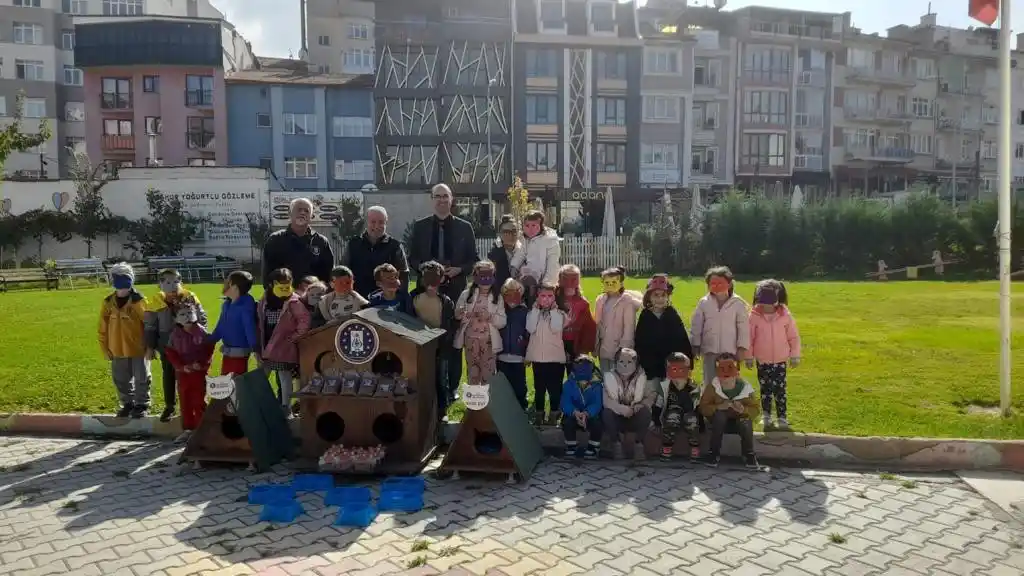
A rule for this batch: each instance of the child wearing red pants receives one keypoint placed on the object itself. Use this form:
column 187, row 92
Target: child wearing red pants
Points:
column 190, row 353
column 236, row 327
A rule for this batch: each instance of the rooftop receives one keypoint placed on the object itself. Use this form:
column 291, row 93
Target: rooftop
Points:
column 270, row 70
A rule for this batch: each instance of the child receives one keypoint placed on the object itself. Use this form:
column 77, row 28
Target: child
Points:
column 774, row 339
column 580, row 330
column 283, row 318
column 615, row 316
column 160, row 312
column 311, row 298
column 437, row 311
column 481, row 314
column 541, row 252
column 236, row 327
column 728, row 402
column 581, row 408
column 507, row 253
column 546, row 352
column 678, row 398
column 627, row 402
column 720, row 324
column 342, row 302
column 390, row 296
column 190, row 352
column 659, row 331
column 122, row 341
column 514, row 339
column 304, row 284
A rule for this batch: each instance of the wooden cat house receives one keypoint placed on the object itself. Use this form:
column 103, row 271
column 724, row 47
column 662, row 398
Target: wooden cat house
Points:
column 392, row 346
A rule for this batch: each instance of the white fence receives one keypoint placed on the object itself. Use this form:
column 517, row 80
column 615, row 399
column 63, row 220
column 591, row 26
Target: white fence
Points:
column 592, row 254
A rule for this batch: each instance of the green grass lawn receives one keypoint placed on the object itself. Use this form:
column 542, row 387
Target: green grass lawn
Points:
column 903, row 358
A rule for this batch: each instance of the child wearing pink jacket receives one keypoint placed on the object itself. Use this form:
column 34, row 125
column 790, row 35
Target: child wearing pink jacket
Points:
column 774, row 341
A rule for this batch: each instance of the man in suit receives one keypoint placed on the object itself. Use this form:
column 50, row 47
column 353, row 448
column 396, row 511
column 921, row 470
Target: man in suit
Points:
column 451, row 241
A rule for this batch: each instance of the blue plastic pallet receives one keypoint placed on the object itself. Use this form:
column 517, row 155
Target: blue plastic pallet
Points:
column 356, row 515
column 347, row 495
column 271, row 493
column 400, row 502
column 313, row 482
column 281, row 512
column 404, row 484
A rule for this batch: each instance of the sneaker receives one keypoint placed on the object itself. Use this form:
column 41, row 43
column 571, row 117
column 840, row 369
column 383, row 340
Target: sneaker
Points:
column 167, row 414
column 553, row 418
column 768, row 424
column 750, row 461
column 125, row 411
column 288, row 415
column 183, row 438
column 694, row 454
column 783, row 424
column 538, row 418
column 710, row 460
column 139, row 412
column 590, row 453
column 570, row 451
column 666, row 453
column 638, row 452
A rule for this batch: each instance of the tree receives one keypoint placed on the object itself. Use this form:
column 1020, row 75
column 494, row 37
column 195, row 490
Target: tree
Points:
column 41, row 223
column 349, row 222
column 259, row 231
column 13, row 233
column 89, row 213
column 12, row 139
column 167, row 229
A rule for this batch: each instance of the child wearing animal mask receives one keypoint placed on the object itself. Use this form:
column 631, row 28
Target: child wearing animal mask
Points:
column 541, row 249
column 390, row 295
column 547, row 353
column 678, row 398
column 580, row 330
column 774, row 340
column 659, row 330
column 282, row 319
column 507, row 253
column 627, row 402
column 481, row 315
column 514, row 339
column 729, row 403
column 236, row 326
column 122, row 341
column 303, row 284
column 581, row 408
column 720, row 324
column 190, row 352
column 312, row 296
column 615, row 316
column 342, row 301
column 437, row 311
column 160, row 313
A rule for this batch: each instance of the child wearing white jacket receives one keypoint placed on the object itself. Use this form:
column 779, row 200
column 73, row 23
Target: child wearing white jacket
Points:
column 720, row 324
column 546, row 352
column 541, row 253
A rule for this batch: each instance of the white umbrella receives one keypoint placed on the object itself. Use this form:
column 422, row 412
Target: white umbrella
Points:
column 797, row 201
column 695, row 210
column 609, row 227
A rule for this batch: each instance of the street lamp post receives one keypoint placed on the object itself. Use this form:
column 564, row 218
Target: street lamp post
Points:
column 490, row 156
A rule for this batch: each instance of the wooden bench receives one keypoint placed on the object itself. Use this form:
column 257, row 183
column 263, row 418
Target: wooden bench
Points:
column 194, row 268
column 11, row 277
column 68, row 269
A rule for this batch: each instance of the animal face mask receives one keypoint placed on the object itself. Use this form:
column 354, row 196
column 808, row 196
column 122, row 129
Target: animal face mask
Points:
column 678, row 371
column 546, row 299
column 484, row 278
column 625, row 362
column 531, row 228
column 283, row 290
column 342, row 285
column 727, row 369
column 432, row 278
column 718, row 285
column 170, row 285
column 389, row 281
column 185, row 315
column 512, row 298
column 612, row 285
column 121, row 282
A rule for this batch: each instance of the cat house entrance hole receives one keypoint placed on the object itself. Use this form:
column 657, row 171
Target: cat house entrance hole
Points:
column 231, row 428
column 487, row 443
column 330, row 426
column 388, row 428
column 386, row 363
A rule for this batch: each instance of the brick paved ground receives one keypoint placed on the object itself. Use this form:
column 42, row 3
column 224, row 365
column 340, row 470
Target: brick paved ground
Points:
column 91, row 508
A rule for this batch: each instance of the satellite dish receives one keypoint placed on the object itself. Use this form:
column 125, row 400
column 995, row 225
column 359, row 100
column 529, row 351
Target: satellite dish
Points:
column 719, row 4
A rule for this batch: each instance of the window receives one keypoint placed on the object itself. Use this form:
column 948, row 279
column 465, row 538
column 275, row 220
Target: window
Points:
column 541, row 109
column 262, row 120
column 759, row 150
column 300, row 124
column 602, row 16
column 360, row 58
column 300, row 168
column 921, row 143
column 151, row 84
column 767, row 64
column 766, row 107
column 552, row 14
column 198, row 90
column 542, row 63
column 358, row 32
column 114, row 127
column 323, row 69
column 29, row 69
column 323, row 40
column 860, row 138
column 154, row 125
column 35, row 108
column 989, row 149
column 611, row 65
column 74, row 144
column 611, row 111
column 123, row 7
column 661, row 61
column 965, row 149
column 542, row 156
column 352, row 127
column 707, row 73
column 76, row 7
column 924, row 69
column 3, row 106
column 864, row 101
column 990, row 115
column 67, row 40
column 353, row 170
column 703, row 160
column 659, row 155
column 1018, row 151
column 860, row 58
column 117, row 93
column 28, row 3
column 921, row 107
column 1020, row 117
column 611, row 157
column 74, row 111
column 705, row 116
column 202, row 162
column 72, row 76
column 661, row 108
column 267, row 163
column 28, row 33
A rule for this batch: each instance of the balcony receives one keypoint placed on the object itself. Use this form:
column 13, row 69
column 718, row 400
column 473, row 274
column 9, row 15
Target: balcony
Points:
column 880, row 154
column 200, row 140
column 878, row 115
column 808, row 162
column 811, row 79
column 115, row 101
column 766, row 121
column 947, row 124
column 810, row 121
column 774, row 77
column 801, row 31
column 954, row 90
column 198, row 98
column 877, row 76
column 118, row 143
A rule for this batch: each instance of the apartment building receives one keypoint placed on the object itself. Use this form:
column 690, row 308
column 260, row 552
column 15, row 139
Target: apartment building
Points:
column 37, row 42
column 339, row 36
column 1018, row 115
column 154, row 88
column 313, row 131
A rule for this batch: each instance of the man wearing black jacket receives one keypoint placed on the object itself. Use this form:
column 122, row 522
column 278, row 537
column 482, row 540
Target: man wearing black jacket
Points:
column 373, row 248
column 298, row 247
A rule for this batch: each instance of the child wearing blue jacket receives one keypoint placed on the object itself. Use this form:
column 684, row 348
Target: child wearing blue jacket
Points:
column 581, row 408
column 236, row 326
column 514, row 339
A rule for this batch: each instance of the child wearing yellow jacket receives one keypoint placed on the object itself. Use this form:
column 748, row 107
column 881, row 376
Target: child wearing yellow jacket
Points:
column 122, row 341
column 730, row 404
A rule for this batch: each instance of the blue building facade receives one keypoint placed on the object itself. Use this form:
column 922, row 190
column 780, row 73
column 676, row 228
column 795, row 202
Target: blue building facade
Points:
column 313, row 132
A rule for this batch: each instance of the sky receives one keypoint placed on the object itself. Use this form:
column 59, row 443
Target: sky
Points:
column 272, row 26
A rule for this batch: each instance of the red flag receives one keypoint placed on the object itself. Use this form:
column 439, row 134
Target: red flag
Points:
column 984, row 11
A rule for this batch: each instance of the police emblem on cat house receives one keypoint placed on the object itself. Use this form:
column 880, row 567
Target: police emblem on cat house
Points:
column 356, row 341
